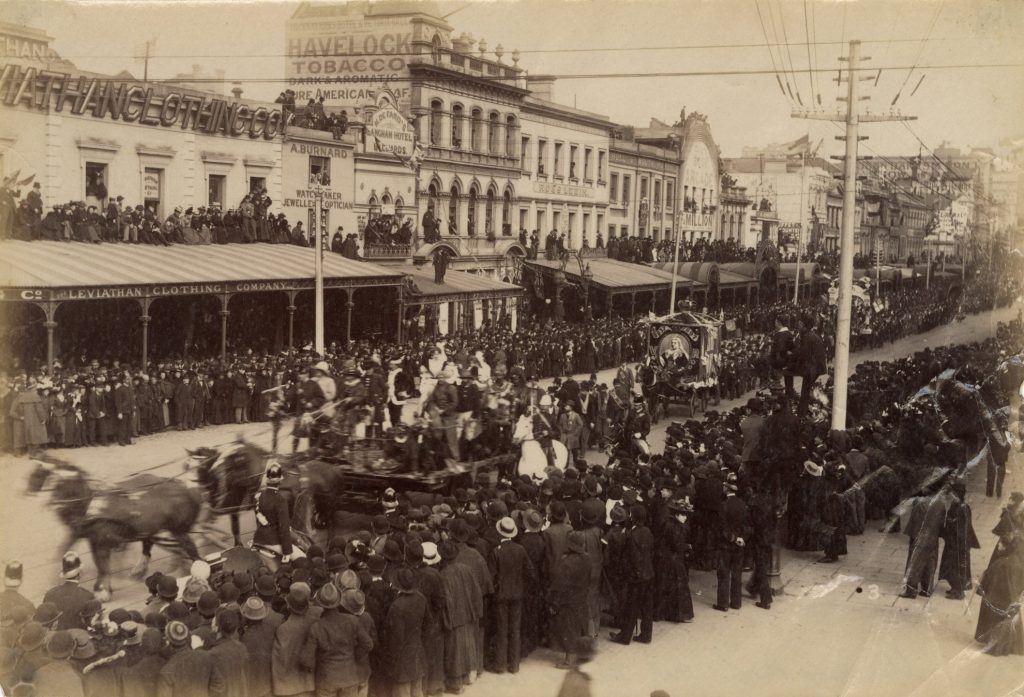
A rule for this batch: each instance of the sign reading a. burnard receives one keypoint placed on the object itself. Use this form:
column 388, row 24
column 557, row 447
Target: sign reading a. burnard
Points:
column 388, row 130
column 345, row 59
column 100, row 98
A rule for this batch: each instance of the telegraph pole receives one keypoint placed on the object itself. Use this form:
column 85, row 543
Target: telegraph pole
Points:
column 800, row 230
column 845, row 302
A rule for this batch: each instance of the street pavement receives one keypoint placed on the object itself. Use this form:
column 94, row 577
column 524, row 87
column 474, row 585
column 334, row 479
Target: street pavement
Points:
column 837, row 629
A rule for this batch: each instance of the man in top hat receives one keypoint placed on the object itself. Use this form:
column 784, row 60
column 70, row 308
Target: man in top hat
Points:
column 273, row 529
column 68, row 596
column 514, row 575
column 11, row 598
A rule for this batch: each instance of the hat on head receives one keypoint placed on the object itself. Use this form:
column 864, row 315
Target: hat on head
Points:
column 1016, row 497
column 297, row 598
column 592, row 512
column 176, row 633
column 328, row 596
column 119, row 615
column 414, row 551
column 90, row 608
column 130, row 631
column 13, row 574
column 193, row 591
column 229, row 620
column 60, row 645
column 70, row 566
column 533, row 521
column 176, row 611
column 430, row 554
column 405, row 579
column 208, row 603
column 376, row 564
column 618, row 514
column 460, row 530
column 265, row 586
column 379, row 524
column 347, row 579
column 84, row 646
column 447, row 550
column 335, row 562
column 507, row 528
column 353, row 600
column 167, row 588
column 33, row 635
column 254, row 609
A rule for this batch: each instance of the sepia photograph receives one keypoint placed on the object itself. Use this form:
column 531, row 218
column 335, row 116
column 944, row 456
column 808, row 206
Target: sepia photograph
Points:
column 512, row 348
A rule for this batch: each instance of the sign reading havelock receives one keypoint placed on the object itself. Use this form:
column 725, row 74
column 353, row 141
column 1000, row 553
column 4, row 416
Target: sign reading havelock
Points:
column 132, row 103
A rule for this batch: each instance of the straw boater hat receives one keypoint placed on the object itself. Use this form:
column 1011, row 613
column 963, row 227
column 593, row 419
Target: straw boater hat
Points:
column 813, row 469
column 507, row 528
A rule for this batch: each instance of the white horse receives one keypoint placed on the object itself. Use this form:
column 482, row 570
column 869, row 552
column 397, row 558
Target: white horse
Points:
column 532, row 460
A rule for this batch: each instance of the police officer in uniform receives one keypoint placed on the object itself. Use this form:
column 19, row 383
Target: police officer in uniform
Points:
column 273, row 529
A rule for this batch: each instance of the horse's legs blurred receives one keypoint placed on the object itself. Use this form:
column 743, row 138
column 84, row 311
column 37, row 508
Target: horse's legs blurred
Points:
column 236, row 529
column 188, row 548
column 101, row 557
column 142, row 565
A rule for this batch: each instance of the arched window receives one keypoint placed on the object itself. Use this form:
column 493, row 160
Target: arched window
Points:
column 510, row 136
column 471, row 218
column 475, row 135
column 506, row 213
column 492, row 133
column 453, row 210
column 435, row 48
column 374, row 206
column 458, row 118
column 489, row 211
column 433, row 198
column 435, row 121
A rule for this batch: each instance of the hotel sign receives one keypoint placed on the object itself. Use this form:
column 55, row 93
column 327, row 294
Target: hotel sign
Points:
column 43, row 90
column 388, row 130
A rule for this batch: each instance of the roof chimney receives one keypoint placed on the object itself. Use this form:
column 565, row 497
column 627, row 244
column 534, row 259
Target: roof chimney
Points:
column 236, row 89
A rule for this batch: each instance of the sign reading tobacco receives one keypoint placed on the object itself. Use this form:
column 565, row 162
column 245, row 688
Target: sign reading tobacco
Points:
column 124, row 101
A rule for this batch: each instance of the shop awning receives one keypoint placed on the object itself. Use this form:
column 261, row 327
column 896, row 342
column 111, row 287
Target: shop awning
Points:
column 615, row 276
column 43, row 270
column 457, row 285
column 788, row 270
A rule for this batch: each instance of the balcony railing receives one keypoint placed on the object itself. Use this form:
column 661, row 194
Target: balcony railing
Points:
column 387, row 251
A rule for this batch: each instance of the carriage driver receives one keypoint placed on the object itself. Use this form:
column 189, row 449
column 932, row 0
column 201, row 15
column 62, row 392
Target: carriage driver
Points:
column 273, row 529
column 545, row 427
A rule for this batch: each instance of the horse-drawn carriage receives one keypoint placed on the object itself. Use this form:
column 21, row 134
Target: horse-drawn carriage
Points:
column 682, row 362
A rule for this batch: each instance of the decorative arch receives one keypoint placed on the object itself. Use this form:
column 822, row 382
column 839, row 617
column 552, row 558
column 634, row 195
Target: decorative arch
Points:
column 435, row 48
column 490, row 201
column 476, row 126
column 454, row 203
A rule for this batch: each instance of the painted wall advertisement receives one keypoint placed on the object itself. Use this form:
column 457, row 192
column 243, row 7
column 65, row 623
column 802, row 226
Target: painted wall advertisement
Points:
column 387, row 130
column 345, row 59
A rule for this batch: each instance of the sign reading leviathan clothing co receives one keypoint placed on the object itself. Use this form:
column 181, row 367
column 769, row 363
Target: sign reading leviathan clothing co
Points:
column 44, row 90
column 344, row 59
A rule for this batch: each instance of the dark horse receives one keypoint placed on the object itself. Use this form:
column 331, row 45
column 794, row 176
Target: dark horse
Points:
column 230, row 477
column 136, row 510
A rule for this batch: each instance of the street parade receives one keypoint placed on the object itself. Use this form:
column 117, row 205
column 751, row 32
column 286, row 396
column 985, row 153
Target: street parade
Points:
column 415, row 380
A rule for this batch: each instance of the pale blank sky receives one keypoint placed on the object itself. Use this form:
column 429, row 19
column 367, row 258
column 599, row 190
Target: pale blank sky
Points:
column 968, row 107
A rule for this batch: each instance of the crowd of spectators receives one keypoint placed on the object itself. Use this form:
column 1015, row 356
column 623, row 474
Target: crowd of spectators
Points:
column 96, row 401
column 313, row 116
column 429, row 593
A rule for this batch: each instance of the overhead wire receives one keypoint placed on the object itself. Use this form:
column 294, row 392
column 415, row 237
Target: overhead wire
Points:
column 768, row 45
column 920, row 53
column 810, row 63
column 789, row 53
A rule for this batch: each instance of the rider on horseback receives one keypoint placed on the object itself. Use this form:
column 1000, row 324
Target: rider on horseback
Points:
column 273, row 528
column 545, row 427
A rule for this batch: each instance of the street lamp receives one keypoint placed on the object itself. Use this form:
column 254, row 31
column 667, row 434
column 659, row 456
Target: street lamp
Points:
column 588, row 277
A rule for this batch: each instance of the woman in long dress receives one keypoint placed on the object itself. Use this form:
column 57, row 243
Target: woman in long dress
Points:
column 1002, row 593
